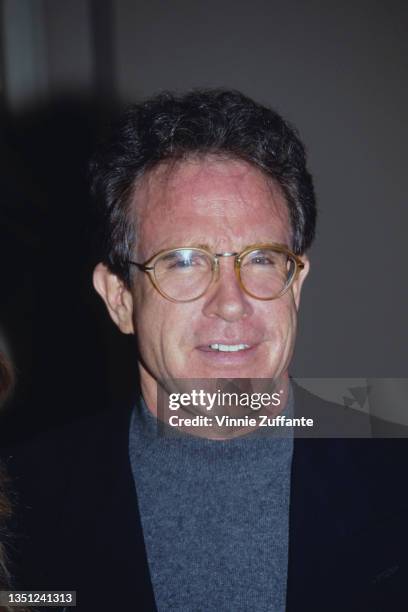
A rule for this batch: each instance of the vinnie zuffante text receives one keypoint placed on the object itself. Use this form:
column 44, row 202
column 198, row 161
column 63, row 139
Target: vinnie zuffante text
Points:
column 218, row 400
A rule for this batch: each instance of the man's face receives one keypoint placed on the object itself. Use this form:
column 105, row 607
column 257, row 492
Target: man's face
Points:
column 225, row 205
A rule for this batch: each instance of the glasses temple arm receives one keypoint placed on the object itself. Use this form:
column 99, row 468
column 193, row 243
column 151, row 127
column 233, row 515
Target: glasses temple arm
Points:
column 141, row 266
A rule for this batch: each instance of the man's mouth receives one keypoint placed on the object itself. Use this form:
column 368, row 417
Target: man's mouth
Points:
column 228, row 348
column 223, row 350
column 238, row 353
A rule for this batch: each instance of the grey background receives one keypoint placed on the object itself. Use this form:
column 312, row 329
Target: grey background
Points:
column 337, row 70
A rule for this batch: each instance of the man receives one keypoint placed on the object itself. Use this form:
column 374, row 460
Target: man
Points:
column 207, row 212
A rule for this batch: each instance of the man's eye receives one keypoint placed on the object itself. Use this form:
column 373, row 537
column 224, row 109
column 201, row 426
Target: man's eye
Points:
column 184, row 263
column 262, row 260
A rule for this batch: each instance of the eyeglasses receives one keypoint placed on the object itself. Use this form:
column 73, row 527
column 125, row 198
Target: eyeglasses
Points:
column 184, row 274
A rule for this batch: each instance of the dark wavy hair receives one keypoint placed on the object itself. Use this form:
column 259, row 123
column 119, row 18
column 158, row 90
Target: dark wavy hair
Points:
column 202, row 122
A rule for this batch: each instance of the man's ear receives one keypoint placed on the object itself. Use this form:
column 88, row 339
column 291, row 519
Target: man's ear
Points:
column 117, row 297
column 297, row 285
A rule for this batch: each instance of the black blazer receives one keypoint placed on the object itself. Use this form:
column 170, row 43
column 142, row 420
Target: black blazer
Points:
column 77, row 524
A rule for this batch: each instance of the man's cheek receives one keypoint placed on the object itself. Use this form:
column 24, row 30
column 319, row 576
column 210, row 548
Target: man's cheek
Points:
column 168, row 341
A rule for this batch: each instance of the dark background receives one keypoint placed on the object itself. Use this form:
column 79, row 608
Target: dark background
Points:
column 337, row 70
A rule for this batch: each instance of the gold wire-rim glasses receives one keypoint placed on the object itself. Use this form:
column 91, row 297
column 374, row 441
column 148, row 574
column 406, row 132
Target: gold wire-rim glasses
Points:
column 149, row 267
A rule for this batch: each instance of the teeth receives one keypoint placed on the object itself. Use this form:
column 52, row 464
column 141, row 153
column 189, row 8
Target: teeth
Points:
column 232, row 348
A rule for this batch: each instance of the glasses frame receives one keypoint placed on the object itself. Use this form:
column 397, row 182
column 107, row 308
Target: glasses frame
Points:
column 149, row 267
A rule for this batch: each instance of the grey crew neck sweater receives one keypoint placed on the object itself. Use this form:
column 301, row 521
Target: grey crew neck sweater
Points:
column 215, row 517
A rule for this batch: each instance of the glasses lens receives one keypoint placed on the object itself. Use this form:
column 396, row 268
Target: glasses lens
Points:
column 183, row 274
column 266, row 273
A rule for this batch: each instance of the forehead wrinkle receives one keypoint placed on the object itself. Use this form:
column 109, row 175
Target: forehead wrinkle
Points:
column 155, row 201
column 210, row 170
column 167, row 175
column 238, row 200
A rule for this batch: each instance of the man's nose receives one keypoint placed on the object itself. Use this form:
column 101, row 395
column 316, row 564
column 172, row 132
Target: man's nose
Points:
column 226, row 298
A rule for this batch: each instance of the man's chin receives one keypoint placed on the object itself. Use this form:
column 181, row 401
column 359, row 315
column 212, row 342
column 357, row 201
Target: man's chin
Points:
column 225, row 369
